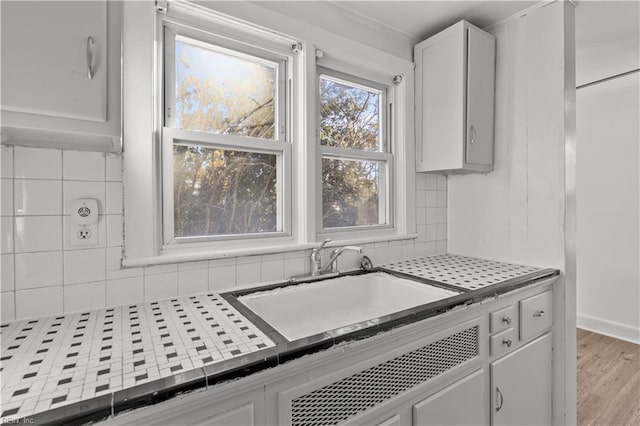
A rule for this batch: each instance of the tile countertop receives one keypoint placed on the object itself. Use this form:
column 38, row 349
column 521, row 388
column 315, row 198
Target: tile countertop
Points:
column 77, row 367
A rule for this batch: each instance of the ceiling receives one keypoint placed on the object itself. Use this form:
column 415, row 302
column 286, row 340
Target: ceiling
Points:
column 413, row 20
column 607, row 32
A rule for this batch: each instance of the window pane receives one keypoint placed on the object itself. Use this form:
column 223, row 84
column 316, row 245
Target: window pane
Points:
column 349, row 116
column 350, row 192
column 219, row 191
column 225, row 94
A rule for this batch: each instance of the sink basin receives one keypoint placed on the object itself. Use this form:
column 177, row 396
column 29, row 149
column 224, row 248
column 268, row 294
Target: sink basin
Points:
column 307, row 309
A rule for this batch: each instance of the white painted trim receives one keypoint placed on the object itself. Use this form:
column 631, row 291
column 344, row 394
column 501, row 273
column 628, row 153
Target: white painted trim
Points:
column 142, row 118
column 138, row 100
column 566, row 373
column 609, row 328
column 191, row 255
column 182, row 8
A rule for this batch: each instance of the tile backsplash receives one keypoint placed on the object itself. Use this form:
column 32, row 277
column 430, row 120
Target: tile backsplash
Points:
column 43, row 274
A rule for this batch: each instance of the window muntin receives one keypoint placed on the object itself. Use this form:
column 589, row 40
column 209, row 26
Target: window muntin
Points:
column 355, row 165
column 225, row 150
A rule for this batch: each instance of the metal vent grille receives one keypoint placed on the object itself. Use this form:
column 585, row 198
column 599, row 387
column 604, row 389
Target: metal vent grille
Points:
column 461, row 271
column 353, row 395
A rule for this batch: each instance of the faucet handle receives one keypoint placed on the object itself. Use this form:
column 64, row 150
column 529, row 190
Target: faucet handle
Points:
column 324, row 243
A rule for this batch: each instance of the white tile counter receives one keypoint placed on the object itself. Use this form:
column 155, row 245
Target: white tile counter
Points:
column 50, row 362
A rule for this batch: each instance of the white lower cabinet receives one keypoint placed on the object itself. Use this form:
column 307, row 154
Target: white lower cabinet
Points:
column 213, row 408
column 394, row 420
column 238, row 416
column 461, row 403
column 434, row 372
column 521, row 385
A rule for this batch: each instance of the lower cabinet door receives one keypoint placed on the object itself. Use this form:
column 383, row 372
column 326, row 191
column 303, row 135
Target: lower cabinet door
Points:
column 521, row 385
column 239, row 416
column 462, row 403
column 391, row 421
column 207, row 407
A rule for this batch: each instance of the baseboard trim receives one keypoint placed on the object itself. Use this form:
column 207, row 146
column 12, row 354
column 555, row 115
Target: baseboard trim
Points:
column 609, row 328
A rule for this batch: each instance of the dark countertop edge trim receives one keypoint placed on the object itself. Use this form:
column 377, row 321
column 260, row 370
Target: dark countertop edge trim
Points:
column 256, row 320
column 102, row 407
column 94, row 409
column 283, row 284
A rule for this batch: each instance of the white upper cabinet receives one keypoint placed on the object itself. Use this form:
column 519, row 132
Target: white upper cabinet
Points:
column 61, row 73
column 455, row 80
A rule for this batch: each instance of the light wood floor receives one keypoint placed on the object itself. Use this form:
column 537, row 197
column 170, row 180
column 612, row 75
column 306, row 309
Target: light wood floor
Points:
column 608, row 380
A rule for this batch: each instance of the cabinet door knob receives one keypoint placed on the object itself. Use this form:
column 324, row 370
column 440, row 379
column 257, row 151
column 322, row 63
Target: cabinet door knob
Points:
column 539, row 314
column 507, row 320
column 90, row 70
column 507, row 342
column 500, row 399
column 473, row 132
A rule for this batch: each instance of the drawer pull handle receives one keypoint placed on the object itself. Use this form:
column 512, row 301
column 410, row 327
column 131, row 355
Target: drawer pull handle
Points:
column 539, row 314
column 90, row 69
column 501, row 399
column 507, row 342
column 507, row 320
column 474, row 134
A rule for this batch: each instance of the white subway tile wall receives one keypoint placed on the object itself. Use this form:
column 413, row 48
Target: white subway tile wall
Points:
column 37, row 233
column 7, row 197
column 44, row 274
column 83, row 166
column 8, row 277
column 39, row 269
column 34, row 197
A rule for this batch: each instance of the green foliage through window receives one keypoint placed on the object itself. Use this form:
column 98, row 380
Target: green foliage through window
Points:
column 349, row 116
column 350, row 119
column 220, row 192
column 350, row 193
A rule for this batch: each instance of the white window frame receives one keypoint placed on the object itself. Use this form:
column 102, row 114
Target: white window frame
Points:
column 143, row 119
column 173, row 29
column 367, row 79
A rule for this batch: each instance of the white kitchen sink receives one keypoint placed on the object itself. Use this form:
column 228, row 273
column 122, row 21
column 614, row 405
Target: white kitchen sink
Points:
column 307, row 309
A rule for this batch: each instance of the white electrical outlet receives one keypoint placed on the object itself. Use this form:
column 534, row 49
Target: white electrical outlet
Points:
column 84, row 223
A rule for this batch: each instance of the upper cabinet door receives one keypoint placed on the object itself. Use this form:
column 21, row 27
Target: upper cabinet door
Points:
column 480, row 94
column 60, row 74
column 440, row 99
column 454, row 100
column 47, row 51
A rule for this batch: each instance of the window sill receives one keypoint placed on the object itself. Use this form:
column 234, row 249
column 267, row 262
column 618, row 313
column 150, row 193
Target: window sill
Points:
column 193, row 254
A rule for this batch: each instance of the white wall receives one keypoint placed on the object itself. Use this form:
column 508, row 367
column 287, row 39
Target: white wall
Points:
column 608, row 196
column 523, row 212
column 516, row 212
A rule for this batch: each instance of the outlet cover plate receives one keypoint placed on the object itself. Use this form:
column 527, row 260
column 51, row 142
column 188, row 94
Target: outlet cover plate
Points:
column 83, row 236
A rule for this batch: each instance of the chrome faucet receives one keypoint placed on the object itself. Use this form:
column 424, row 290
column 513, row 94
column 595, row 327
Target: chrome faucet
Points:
column 335, row 254
column 316, row 259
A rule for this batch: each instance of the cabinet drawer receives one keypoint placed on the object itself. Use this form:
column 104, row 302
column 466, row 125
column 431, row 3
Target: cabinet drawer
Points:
column 502, row 319
column 535, row 315
column 503, row 342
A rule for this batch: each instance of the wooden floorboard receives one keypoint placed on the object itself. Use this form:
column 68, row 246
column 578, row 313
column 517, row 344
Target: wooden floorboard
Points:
column 608, row 380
